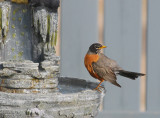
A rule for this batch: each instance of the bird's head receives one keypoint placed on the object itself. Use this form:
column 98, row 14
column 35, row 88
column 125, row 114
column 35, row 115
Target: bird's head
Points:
column 96, row 48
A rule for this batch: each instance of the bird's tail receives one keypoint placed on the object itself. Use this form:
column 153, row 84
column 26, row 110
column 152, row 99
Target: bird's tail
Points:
column 130, row 75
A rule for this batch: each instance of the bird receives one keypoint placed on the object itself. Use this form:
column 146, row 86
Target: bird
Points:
column 103, row 68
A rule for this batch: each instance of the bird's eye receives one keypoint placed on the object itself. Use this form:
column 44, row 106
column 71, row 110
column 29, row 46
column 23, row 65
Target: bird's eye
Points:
column 96, row 47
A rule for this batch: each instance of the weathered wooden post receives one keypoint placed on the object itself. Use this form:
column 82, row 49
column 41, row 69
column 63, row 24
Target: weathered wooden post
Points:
column 29, row 68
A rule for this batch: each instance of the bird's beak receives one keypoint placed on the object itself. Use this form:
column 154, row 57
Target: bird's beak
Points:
column 102, row 47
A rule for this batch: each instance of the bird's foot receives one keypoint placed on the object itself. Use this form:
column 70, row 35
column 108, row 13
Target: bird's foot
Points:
column 99, row 89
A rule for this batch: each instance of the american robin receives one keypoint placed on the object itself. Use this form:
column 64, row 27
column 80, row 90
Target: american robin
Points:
column 103, row 68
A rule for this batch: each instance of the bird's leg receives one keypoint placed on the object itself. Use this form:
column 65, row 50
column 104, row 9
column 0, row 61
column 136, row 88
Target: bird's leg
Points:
column 99, row 86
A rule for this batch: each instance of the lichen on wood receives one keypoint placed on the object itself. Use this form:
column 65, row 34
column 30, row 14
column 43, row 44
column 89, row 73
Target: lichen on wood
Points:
column 5, row 9
column 53, row 28
column 45, row 24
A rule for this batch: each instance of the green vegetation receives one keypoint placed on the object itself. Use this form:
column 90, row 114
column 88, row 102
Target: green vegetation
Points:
column 14, row 57
column 55, row 39
column 13, row 18
column 17, row 42
column 14, row 35
column 20, row 54
column 13, row 26
column 20, row 19
column 22, row 33
column 24, row 10
column 12, row 49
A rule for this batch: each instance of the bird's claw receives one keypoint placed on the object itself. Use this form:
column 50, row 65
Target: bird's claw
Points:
column 100, row 89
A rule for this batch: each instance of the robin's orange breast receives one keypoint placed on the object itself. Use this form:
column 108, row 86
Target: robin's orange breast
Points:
column 88, row 60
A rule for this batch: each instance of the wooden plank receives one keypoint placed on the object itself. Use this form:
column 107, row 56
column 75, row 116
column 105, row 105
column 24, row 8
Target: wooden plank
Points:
column 143, row 87
column 79, row 29
column 123, row 38
column 153, row 58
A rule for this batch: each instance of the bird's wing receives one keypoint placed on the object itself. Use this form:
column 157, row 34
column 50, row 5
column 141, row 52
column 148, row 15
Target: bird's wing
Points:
column 105, row 72
column 108, row 62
